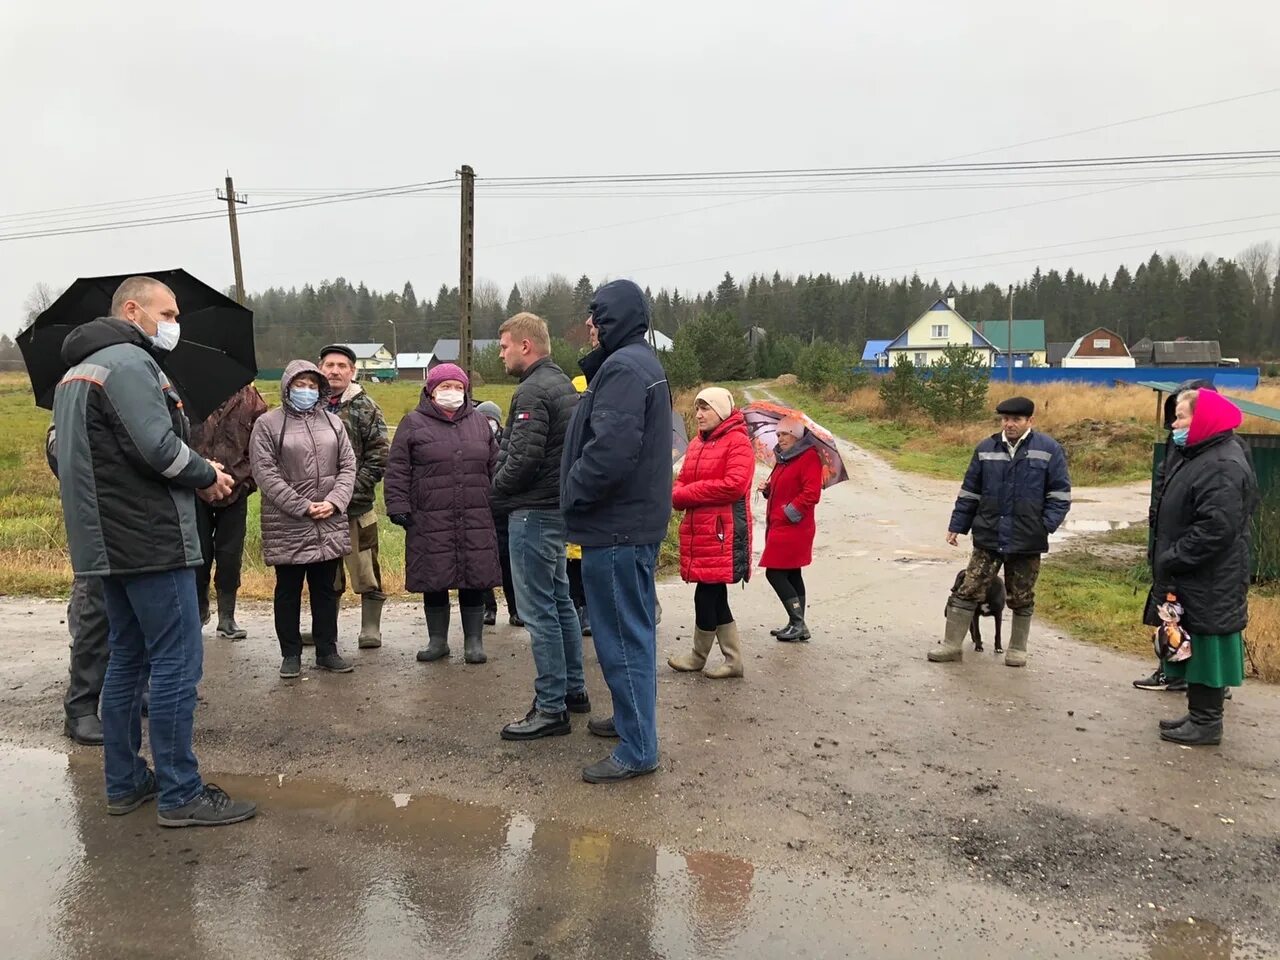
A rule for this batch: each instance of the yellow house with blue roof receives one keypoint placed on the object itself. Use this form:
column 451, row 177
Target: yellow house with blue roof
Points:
column 936, row 329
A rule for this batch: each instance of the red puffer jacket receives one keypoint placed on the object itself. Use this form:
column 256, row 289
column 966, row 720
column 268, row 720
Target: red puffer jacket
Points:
column 712, row 489
column 794, row 489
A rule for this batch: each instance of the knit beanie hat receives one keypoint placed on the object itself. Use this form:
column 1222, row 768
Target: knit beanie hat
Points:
column 718, row 399
column 446, row 371
column 490, row 410
column 792, row 425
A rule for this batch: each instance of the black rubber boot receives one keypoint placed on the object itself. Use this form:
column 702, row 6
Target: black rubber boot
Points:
column 1204, row 726
column 227, row 626
column 795, row 631
column 777, row 630
column 473, row 635
column 437, row 635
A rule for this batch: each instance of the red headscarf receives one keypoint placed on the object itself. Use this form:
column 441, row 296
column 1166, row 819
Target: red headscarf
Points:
column 1214, row 414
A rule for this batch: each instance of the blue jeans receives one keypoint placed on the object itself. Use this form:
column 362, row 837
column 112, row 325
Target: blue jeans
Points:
column 536, row 540
column 155, row 621
column 618, row 581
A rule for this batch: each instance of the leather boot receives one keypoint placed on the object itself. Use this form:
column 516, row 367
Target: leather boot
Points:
column 1016, row 655
column 437, row 635
column 473, row 635
column 227, row 626
column 1204, row 728
column 958, row 619
column 702, row 640
column 370, row 621
column 777, row 630
column 731, row 647
column 86, row 730
column 795, row 631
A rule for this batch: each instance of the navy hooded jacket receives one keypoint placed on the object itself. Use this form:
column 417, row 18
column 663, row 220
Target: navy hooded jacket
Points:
column 1012, row 504
column 615, row 475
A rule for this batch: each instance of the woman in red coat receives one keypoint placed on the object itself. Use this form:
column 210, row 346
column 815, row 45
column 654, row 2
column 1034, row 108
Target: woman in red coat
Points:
column 793, row 490
column 715, row 534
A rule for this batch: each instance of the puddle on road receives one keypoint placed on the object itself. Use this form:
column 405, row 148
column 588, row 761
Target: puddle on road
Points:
column 1075, row 527
column 327, row 872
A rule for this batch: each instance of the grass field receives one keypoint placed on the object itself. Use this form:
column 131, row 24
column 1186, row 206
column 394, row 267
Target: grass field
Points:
column 1095, row 589
column 1107, row 432
column 33, row 558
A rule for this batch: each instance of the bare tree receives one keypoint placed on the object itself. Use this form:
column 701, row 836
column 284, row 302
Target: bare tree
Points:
column 1259, row 264
column 38, row 301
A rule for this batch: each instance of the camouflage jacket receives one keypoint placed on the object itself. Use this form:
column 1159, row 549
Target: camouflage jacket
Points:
column 367, row 430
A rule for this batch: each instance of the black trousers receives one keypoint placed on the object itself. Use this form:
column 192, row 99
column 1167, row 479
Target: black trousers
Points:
column 466, row 598
column 576, row 593
column 787, row 584
column 87, row 621
column 222, row 544
column 504, row 558
column 322, row 584
column 711, row 606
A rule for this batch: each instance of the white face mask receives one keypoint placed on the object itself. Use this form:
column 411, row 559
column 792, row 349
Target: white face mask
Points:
column 493, row 426
column 449, row 399
column 167, row 333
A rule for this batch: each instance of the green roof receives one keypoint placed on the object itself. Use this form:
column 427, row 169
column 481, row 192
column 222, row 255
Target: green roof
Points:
column 1028, row 335
column 1246, row 406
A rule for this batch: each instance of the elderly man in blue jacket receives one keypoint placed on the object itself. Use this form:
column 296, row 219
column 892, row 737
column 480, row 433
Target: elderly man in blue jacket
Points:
column 1015, row 493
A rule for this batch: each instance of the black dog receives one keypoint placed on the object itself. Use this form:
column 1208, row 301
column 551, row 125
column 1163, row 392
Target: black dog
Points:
column 992, row 606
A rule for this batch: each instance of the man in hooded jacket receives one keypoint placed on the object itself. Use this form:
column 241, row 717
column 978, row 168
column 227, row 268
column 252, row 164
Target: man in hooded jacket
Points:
column 615, row 493
column 128, row 479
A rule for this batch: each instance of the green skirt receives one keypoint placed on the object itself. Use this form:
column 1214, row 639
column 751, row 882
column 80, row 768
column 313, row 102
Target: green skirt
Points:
column 1217, row 660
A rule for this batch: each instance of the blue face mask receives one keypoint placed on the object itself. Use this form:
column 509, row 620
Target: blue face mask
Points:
column 303, row 398
column 1180, row 436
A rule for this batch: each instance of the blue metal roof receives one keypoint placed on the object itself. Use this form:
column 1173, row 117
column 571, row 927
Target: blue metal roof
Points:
column 874, row 348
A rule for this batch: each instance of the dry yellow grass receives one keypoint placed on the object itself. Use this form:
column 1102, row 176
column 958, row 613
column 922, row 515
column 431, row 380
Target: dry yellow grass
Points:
column 1263, row 635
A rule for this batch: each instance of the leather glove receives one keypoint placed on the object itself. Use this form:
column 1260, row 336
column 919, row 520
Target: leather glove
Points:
column 402, row 520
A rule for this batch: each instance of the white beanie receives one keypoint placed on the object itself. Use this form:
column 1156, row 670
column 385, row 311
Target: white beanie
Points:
column 718, row 399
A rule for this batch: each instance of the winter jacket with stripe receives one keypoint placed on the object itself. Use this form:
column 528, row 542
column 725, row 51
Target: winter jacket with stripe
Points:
column 532, row 443
column 712, row 490
column 1011, row 503
column 126, row 472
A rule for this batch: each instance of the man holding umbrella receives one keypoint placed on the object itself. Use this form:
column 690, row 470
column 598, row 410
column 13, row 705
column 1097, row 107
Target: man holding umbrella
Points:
column 128, row 483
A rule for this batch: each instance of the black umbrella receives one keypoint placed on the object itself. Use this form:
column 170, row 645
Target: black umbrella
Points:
column 214, row 358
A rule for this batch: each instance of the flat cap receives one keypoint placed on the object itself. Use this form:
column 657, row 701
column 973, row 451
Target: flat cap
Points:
column 341, row 348
column 1016, row 407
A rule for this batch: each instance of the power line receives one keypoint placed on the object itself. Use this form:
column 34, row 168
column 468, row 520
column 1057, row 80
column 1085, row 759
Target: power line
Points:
column 270, row 208
column 105, row 203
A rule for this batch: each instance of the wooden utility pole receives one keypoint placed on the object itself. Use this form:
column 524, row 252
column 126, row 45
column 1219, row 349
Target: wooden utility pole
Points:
column 232, row 199
column 1009, row 355
column 466, row 266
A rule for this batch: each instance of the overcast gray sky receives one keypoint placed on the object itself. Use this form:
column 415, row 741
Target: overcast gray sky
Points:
column 101, row 105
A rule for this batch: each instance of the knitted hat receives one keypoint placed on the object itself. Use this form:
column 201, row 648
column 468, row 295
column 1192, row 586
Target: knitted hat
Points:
column 792, row 425
column 718, row 399
column 446, row 371
column 490, row 410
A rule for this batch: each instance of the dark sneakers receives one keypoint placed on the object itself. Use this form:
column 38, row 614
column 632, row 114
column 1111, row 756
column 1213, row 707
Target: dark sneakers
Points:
column 334, row 663
column 537, row 725
column 577, row 702
column 609, row 770
column 213, row 808
column 1157, row 681
column 132, row 801
column 291, row 667
column 603, row 728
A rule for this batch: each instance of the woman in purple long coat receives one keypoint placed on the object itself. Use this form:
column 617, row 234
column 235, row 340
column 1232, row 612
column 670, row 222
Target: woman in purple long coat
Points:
column 437, row 486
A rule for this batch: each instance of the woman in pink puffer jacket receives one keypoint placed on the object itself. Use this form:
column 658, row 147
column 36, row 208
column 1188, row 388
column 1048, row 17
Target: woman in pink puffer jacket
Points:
column 305, row 469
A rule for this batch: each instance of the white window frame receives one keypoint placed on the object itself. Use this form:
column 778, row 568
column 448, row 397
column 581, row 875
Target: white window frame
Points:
column 1102, row 343
column 945, row 329
column 921, row 359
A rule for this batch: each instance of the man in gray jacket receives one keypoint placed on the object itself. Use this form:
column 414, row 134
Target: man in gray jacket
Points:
column 128, row 480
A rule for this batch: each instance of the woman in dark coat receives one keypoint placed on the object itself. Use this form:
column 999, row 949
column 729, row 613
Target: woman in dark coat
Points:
column 437, row 487
column 715, row 533
column 1201, row 556
column 793, row 491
